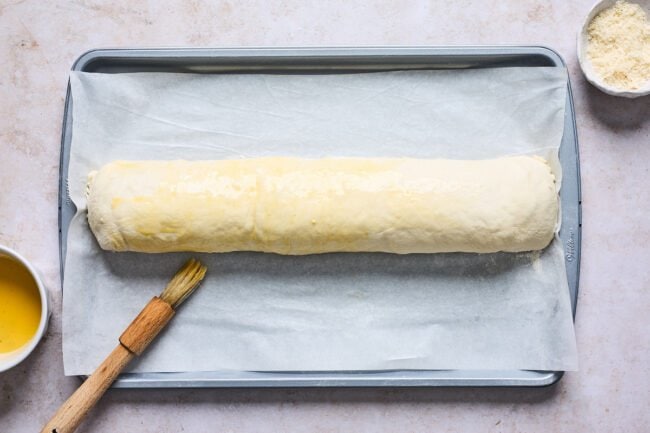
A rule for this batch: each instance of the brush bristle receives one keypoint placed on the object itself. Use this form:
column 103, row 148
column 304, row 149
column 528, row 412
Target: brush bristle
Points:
column 184, row 282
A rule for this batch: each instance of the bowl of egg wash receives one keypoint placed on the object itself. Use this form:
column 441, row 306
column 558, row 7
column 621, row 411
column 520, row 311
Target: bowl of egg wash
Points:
column 24, row 308
column 614, row 47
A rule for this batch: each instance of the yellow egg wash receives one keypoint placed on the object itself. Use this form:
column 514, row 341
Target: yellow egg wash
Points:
column 20, row 305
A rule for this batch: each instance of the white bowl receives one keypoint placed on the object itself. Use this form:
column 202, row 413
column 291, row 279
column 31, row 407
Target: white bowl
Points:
column 585, row 64
column 11, row 359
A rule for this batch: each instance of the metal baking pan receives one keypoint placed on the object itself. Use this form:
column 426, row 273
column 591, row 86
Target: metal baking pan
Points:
column 339, row 60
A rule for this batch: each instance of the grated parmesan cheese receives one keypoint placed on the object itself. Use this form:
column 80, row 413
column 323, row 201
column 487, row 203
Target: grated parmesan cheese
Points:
column 619, row 45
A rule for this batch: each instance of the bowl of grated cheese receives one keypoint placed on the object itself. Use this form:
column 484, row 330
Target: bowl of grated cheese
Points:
column 614, row 47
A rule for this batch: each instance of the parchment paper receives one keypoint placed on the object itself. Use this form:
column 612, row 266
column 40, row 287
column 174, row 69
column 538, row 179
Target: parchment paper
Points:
column 268, row 312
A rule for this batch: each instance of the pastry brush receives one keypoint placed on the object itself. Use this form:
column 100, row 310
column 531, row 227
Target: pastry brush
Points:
column 133, row 341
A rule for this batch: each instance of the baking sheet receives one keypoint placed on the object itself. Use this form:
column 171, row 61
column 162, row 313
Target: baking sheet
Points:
column 338, row 311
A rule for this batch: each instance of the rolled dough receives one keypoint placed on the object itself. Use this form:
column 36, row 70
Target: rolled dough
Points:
column 302, row 206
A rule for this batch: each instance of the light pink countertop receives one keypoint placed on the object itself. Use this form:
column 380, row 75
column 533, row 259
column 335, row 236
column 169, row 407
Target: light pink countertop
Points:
column 39, row 42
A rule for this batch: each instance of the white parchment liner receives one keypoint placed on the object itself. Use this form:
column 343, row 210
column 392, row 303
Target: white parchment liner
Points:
column 267, row 312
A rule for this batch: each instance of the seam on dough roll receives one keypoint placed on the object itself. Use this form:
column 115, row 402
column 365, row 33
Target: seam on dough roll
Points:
column 308, row 206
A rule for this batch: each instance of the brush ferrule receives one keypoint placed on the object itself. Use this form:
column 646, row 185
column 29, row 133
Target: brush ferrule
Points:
column 144, row 328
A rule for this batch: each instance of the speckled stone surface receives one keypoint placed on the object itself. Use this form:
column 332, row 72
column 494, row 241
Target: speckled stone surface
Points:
column 39, row 42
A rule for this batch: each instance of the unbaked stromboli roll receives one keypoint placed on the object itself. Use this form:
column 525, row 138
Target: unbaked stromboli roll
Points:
column 308, row 206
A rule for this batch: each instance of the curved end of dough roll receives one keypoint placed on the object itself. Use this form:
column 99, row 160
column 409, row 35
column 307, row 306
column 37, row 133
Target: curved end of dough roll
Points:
column 99, row 216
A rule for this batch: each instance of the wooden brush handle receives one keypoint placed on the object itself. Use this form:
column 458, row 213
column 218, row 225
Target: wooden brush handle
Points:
column 72, row 412
column 144, row 328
